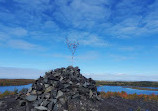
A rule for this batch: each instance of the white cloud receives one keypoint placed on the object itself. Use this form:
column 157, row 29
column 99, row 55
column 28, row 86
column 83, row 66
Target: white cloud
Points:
column 121, row 77
column 88, row 39
column 3, row 36
column 94, row 41
column 127, row 48
column 81, row 14
column 18, row 31
column 116, row 57
column 90, row 55
column 126, row 21
column 12, row 32
column 21, row 44
column 87, row 21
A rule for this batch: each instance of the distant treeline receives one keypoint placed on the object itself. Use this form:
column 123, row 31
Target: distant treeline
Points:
column 123, row 83
column 15, row 82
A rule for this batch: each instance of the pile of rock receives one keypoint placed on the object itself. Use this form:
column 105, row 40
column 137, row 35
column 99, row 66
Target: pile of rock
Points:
column 53, row 91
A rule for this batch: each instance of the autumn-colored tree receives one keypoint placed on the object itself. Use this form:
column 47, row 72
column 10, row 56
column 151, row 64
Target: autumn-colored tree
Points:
column 72, row 46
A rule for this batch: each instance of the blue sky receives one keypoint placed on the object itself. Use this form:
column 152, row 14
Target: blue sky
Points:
column 118, row 38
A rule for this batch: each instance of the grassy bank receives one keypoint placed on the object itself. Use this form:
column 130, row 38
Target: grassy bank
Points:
column 142, row 88
column 6, row 93
column 15, row 82
column 124, row 95
column 123, row 83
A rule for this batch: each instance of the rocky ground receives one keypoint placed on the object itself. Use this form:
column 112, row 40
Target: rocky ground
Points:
column 10, row 103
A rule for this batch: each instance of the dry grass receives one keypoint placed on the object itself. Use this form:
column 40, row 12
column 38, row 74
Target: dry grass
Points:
column 129, row 96
column 15, row 82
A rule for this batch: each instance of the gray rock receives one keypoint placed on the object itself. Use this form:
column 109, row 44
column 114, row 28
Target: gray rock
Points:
column 53, row 93
column 76, row 95
column 70, row 82
column 47, row 95
column 62, row 100
column 31, row 97
column 2, row 103
column 45, row 103
column 54, row 101
column 46, row 85
column 22, row 103
column 39, row 87
column 61, row 78
column 39, row 101
column 66, row 85
column 41, row 108
column 59, row 94
column 78, row 84
column 85, row 84
column 48, row 89
column 56, row 75
column 50, row 105
column 34, row 92
column 45, row 80
column 56, row 107
column 30, row 89
column 90, row 93
column 39, row 92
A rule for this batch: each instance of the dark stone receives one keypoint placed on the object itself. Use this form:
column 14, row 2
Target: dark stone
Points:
column 56, row 75
column 54, row 93
column 76, row 96
column 39, row 87
column 62, row 100
column 51, row 105
column 45, row 103
column 53, row 100
column 66, row 85
column 45, row 80
column 47, row 95
column 22, row 103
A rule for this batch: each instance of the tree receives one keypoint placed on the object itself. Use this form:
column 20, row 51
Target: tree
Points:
column 72, row 46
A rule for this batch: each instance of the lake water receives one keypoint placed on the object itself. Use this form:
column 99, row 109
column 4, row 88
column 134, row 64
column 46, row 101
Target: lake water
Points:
column 99, row 88
column 127, row 90
column 12, row 88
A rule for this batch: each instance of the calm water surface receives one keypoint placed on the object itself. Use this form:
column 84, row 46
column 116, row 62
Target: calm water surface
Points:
column 99, row 88
column 127, row 90
column 12, row 88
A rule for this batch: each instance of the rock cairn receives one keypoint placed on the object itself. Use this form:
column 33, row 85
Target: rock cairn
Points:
column 53, row 91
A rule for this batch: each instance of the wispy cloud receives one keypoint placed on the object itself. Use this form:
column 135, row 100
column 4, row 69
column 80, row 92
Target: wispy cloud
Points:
column 21, row 44
column 45, row 20
column 117, row 57
column 127, row 48
column 121, row 77
column 90, row 55
column 14, row 37
column 119, row 28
